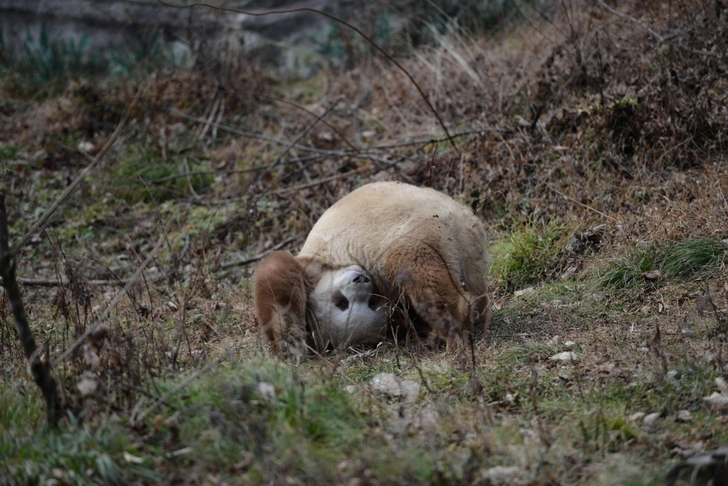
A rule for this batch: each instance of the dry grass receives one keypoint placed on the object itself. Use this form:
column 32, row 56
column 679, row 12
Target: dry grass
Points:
column 592, row 149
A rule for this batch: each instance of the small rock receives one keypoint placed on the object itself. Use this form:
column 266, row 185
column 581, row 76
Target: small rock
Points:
column 39, row 155
column 391, row 386
column 85, row 146
column 637, row 416
column 607, row 367
column 568, row 273
column 408, row 421
column 651, row 419
column 684, row 416
column 671, row 374
column 569, row 344
column 653, row 275
column 566, row 356
column 132, row 459
column 526, row 291
column 504, row 475
column 266, row 390
column 87, row 384
column 350, row 388
column 683, row 453
column 718, row 401
column 172, row 305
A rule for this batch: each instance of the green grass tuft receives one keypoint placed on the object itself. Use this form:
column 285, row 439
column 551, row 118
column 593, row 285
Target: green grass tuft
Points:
column 658, row 263
column 148, row 178
column 627, row 272
column 530, row 254
column 692, row 257
column 77, row 453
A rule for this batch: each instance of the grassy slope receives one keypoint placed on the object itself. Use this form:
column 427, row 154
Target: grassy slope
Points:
column 599, row 167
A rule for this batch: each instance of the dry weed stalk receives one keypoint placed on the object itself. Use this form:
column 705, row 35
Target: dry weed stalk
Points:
column 134, row 278
column 340, row 21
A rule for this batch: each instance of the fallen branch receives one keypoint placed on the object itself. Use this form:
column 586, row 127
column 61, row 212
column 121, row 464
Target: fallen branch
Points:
column 360, row 154
column 259, row 256
column 41, row 375
column 429, row 141
column 55, row 282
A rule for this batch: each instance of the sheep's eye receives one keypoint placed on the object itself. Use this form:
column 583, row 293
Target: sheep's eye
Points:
column 340, row 301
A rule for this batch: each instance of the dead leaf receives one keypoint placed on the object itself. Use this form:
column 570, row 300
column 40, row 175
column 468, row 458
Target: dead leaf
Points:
column 89, row 355
column 391, row 386
column 132, row 459
column 566, row 356
column 87, row 384
column 684, row 416
column 719, row 400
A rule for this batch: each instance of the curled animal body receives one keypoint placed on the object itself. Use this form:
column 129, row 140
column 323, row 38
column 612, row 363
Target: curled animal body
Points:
column 387, row 256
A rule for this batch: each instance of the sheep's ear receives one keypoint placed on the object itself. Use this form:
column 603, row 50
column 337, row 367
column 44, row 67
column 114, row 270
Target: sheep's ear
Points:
column 280, row 287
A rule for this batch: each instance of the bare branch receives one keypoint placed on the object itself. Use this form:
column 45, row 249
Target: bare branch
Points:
column 318, row 182
column 259, row 256
column 335, row 19
column 306, row 110
column 41, row 375
column 56, row 282
column 661, row 39
column 581, row 204
column 303, row 134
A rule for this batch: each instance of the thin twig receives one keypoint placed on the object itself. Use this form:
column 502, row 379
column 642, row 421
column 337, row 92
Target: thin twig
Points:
column 361, row 154
column 661, row 39
column 303, row 134
column 429, row 141
column 304, row 109
column 118, row 296
column 318, row 182
column 259, row 256
column 242, row 133
column 335, row 19
column 56, row 282
column 581, row 204
column 84, row 173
